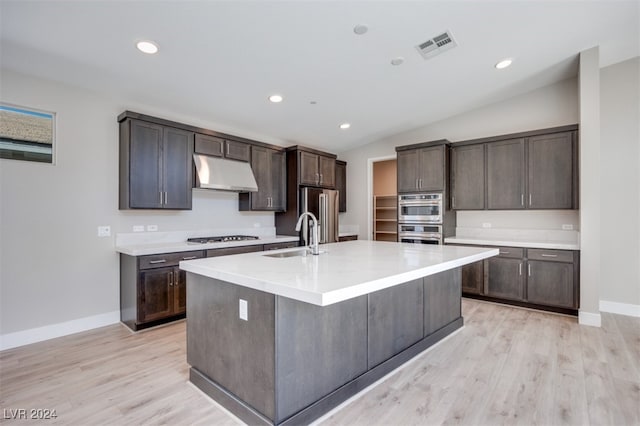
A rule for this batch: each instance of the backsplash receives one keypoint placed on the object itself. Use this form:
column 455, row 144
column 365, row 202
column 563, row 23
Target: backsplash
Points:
column 519, row 219
column 135, row 238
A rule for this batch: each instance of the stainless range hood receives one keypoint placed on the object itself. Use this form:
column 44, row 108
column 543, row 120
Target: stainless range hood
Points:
column 224, row 175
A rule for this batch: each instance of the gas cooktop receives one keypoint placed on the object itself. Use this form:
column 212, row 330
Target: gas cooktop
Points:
column 221, row 239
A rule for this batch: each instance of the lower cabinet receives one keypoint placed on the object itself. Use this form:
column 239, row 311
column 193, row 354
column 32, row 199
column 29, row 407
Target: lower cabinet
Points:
column 537, row 278
column 347, row 238
column 153, row 288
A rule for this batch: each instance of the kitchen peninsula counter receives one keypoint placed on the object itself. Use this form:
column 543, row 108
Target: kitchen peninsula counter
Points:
column 283, row 340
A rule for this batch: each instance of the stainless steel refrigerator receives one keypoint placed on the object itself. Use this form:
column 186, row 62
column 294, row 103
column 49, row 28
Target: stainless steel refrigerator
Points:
column 323, row 203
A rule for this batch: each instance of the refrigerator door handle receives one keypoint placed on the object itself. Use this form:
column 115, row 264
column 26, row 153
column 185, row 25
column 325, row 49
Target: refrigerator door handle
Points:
column 322, row 232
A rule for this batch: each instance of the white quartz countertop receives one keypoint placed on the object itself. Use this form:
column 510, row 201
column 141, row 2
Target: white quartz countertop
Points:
column 514, row 242
column 346, row 270
column 170, row 247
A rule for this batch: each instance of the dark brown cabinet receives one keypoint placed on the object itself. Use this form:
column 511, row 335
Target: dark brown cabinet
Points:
column 538, row 170
column 155, row 166
column 422, row 169
column 505, row 278
column 153, row 288
column 551, row 169
column 347, row 238
column 473, row 278
column 551, row 278
column 268, row 167
column 218, row 147
column 317, row 170
column 341, row 185
column 506, row 175
column 468, row 177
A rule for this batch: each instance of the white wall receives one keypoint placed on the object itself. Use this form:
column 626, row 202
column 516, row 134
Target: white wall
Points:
column 53, row 267
column 550, row 106
column 620, row 162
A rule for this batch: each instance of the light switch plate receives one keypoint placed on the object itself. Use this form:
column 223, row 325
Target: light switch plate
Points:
column 486, row 225
column 244, row 310
column 138, row 228
column 152, row 228
column 567, row 227
column 104, row 231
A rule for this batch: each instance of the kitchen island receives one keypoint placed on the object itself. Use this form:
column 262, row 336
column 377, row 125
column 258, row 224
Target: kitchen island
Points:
column 283, row 337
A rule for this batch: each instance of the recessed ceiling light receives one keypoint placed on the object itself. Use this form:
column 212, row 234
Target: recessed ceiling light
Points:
column 146, row 46
column 360, row 29
column 397, row 61
column 503, row 63
column 275, row 98
column 344, row 126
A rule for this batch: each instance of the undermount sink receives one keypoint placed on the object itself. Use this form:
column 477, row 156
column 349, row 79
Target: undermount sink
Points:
column 293, row 253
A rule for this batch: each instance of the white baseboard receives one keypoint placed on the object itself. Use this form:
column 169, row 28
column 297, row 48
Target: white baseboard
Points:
column 33, row 335
column 620, row 308
column 589, row 318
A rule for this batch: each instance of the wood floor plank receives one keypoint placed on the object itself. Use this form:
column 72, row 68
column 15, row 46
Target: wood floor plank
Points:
column 507, row 366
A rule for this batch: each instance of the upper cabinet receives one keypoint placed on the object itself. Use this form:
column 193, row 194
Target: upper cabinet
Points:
column 341, row 185
column 155, row 166
column 422, row 169
column 505, row 175
column 552, row 166
column 268, row 167
column 535, row 170
column 468, row 177
column 316, row 169
column 218, row 147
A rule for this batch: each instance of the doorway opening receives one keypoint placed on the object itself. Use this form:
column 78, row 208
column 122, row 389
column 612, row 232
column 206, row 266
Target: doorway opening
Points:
column 385, row 200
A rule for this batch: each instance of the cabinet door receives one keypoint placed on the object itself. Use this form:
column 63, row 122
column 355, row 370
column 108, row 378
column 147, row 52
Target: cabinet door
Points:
column 261, row 166
column 550, row 283
column 278, row 181
column 505, row 279
column 441, row 299
column 551, row 169
column 145, row 175
column 431, row 168
column 327, row 171
column 155, row 294
column 408, row 171
column 468, row 176
column 209, row 145
column 505, row 174
column 237, row 150
column 473, row 278
column 179, row 291
column 309, row 174
column 177, row 160
column 341, row 185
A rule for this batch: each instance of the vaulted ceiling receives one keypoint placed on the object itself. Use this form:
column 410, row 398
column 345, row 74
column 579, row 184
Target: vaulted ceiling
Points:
column 219, row 61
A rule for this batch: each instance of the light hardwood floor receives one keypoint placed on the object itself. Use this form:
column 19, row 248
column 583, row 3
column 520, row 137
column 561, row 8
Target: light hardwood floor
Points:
column 507, row 366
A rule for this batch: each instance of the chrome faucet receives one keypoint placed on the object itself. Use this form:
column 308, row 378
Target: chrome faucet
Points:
column 313, row 246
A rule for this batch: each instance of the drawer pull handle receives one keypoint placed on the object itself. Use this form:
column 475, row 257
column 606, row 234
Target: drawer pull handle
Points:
column 529, row 269
column 520, row 268
column 549, row 255
column 190, row 258
column 505, row 252
column 153, row 262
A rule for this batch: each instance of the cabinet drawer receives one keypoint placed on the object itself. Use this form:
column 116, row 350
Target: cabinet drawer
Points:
column 277, row 246
column 168, row 259
column 511, row 252
column 550, row 255
column 234, row 250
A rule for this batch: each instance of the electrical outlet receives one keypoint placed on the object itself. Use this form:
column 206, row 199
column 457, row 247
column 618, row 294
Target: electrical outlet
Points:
column 138, row 228
column 486, row 225
column 244, row 310
column 152, row 228
column 567, row 227
column 104, row 231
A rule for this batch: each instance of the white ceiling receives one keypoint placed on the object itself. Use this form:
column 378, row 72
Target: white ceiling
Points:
column 220, row 60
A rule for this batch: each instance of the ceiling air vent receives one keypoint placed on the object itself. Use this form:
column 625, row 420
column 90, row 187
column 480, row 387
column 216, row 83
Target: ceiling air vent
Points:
column 436, row 45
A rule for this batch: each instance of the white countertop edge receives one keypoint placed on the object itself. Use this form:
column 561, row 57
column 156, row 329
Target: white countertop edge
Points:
column 512, row 243
column 161, row 248
column 340, row 295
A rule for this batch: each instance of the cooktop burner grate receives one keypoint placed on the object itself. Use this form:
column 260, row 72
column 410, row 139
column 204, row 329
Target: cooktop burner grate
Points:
column 221, row 239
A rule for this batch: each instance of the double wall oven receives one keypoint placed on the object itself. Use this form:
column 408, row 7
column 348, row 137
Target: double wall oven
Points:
column 420, row 218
